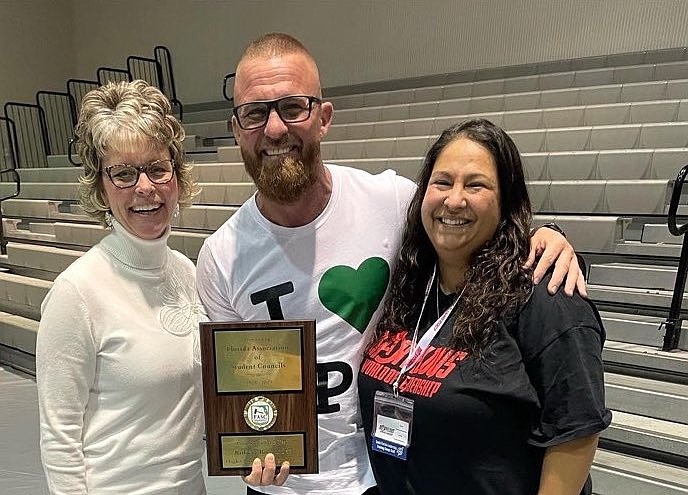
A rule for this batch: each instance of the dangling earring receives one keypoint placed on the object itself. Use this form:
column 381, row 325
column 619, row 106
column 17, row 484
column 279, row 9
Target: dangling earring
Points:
column 175, row 214
column 108, row 219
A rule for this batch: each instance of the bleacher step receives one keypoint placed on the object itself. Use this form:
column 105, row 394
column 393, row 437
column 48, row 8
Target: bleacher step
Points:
column 209, row 128
column 649, row 433
column 202, row 157
column 228, row 193
column 18, row 332
column 204, row 217
column 18, row 342
column 15, row 228
column 566, row 139
column 629, row 296
column 61, row 160
column 647, row 397
column 648, row 358
column 659, row 233
column 598, row 234
column 200, row 151
column 635, row 248
column 49, row 261
column 207, row 115
column 191, row 141
column 220, row 141
column 26, row 235
column 196, row 217
column 458, row 104
column 633, row 328
column 42, row 228
column 44, row 209
column 225, row 194
column 633, row 275
column 51, row 174
column 438, row 87
column 660, row 111
column 53, row 259
column 619, row 474
column 22, row 295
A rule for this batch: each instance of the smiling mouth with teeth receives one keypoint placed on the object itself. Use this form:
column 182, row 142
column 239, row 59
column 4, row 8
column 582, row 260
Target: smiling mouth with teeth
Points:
column 458, row 221
column 146, row 209
column 277, row 151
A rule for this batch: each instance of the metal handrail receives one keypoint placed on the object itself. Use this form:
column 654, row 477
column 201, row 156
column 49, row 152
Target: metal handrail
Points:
column 17, row 181
column 134, row 62
column 60, row 119
column 70, row 153
column 674, row 320
column 120, row 75
column 28, row 138
column 227, row 77
column 12, row 141
column 164, row 58
column 78, row 89
column 13, row 151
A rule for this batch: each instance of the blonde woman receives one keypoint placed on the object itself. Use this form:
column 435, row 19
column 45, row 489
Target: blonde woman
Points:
column 117, row 357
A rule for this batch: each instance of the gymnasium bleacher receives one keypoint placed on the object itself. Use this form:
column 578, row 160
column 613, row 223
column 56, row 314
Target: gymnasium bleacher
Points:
column 602, row 140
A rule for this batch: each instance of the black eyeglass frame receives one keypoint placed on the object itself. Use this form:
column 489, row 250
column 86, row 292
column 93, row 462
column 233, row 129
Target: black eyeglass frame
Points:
column 274, row 104
column 139, row 169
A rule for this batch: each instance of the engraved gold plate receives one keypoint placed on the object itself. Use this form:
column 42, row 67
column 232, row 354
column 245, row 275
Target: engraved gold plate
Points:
column 260, row 413
column 258, row 360
column 238, row 451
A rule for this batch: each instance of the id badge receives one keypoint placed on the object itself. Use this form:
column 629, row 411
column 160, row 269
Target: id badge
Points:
column 392, row 420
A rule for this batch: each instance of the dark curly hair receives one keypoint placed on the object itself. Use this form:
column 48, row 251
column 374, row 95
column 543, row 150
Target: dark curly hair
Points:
column 496, row 284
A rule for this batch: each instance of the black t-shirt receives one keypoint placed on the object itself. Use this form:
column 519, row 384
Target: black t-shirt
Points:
column 481, row 427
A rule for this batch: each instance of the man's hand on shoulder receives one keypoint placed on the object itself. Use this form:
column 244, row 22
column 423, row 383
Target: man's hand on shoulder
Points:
column 549, row 248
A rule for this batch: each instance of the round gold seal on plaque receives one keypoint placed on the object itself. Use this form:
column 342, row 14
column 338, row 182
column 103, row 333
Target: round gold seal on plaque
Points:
column 260, row 413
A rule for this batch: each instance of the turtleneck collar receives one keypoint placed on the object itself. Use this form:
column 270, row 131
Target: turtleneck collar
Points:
column 133, row 251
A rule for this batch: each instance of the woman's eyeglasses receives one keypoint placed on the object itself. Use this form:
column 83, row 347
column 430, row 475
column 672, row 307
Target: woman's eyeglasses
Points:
column 124, row 176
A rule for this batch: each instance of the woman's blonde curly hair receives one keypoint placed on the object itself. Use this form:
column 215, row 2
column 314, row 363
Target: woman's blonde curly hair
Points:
column 120, row 117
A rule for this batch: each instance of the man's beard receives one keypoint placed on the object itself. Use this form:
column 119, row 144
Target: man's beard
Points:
column 284, row 180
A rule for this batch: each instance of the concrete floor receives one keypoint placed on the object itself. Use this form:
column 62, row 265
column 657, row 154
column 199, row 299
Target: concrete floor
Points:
column 21, row 472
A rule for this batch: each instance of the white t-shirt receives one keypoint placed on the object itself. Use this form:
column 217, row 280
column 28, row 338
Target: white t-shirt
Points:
column 335, row 270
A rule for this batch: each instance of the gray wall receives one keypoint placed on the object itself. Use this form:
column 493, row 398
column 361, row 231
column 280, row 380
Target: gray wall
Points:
column 36, row 47
column 354, row 41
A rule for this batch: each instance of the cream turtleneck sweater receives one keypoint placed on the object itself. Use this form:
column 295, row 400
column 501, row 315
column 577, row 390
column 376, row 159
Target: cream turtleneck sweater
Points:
column 118, row 372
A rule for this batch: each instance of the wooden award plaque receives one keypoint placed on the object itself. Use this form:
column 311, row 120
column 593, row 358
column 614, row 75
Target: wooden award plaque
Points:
column 259, row 393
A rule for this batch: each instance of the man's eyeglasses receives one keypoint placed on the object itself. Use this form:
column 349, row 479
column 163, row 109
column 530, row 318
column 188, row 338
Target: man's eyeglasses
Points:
column 124, row 176
column 291, row 109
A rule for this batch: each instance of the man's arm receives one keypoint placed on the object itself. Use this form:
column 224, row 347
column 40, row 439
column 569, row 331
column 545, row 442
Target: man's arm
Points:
column 211, row 287
column 550, row 247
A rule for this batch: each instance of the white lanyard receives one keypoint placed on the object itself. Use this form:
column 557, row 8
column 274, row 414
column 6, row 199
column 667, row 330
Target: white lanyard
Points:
column 417, row 350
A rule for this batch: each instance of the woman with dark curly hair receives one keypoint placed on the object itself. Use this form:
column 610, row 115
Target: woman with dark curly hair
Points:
column 478, row 381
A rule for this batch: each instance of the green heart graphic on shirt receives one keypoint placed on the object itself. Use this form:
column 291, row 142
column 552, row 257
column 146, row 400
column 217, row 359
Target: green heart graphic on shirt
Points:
column 354, row 294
